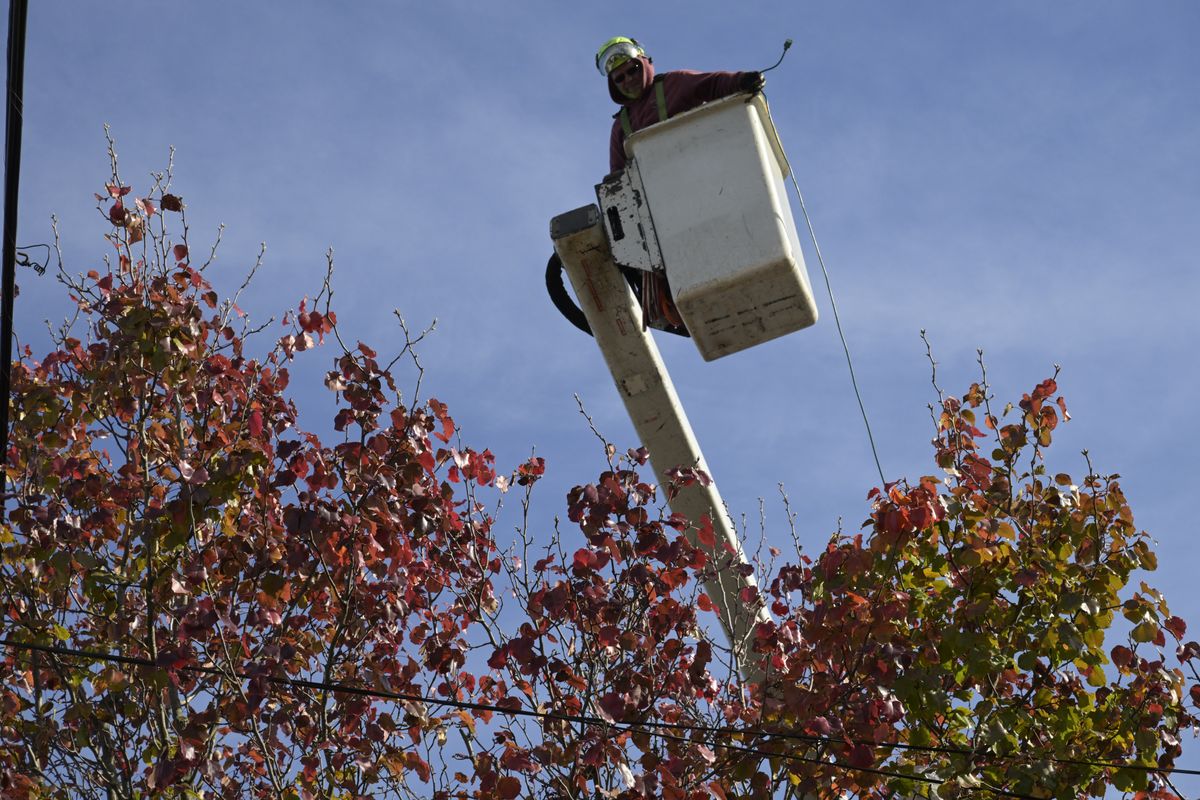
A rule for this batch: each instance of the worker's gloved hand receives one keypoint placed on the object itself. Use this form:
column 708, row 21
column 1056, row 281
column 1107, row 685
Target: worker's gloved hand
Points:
column 753, row 81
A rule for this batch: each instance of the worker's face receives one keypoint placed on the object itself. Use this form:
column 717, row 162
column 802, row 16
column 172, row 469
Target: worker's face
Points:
column 628, row 78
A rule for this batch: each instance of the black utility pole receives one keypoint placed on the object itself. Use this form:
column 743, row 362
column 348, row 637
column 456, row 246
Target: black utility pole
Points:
column 17, row 11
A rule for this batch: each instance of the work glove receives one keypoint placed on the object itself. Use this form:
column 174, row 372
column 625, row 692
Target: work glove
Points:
column 752, row 81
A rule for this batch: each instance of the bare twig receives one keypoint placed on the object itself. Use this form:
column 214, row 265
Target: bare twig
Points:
column 610, row 450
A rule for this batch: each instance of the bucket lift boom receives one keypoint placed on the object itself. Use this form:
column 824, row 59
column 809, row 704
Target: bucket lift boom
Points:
column 702, row 206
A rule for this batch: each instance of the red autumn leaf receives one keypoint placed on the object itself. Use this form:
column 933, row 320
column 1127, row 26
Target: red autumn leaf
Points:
column 1121, row 656
column 256, row 423
column 508, row 787
column 440, row 413
column 1176, row 626
column 921, row 517
column 705, row 534
column 584, row 559
column 418, row 764
column 531, row 471
column 862, row 755
column 895, row 520
column 1062, row 406
column 612, row 707
column 171, row 202
column 498, row 658
column 180, row 252
column 163, row 774
column 116, row 213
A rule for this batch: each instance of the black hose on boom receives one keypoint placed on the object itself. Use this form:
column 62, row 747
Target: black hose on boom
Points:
column 562, row 301
column 574, row 314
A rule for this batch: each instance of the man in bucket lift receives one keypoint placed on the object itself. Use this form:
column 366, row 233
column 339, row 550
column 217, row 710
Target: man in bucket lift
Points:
column 646, row 99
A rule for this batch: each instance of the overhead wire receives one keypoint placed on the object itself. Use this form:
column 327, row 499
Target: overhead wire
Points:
column 837, row 317
column 828, row 284
column 467, row 705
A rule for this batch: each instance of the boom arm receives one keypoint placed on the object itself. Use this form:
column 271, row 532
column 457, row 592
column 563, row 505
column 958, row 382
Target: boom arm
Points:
column 653, row 406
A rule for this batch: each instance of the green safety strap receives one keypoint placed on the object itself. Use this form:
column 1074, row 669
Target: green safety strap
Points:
column 660, row 99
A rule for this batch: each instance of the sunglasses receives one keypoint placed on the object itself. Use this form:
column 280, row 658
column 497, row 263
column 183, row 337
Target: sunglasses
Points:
column 627, row 71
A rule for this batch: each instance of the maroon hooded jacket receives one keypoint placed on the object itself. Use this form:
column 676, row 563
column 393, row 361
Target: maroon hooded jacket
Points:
column 684, row 89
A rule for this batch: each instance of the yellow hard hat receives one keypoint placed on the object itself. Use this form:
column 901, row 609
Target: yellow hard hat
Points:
column 615, row 52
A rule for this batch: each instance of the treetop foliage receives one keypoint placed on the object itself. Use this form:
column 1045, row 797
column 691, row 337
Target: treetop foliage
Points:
column 203, row 600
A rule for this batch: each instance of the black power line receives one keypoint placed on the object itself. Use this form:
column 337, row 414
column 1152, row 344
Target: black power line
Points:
column 14, row 111
column 589, row 720
column 467, row 705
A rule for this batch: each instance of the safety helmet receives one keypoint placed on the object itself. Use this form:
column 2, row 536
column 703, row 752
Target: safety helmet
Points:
column 615, row 52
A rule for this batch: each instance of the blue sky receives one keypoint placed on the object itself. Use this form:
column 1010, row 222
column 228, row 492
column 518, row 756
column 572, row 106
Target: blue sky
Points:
column 1019, row 177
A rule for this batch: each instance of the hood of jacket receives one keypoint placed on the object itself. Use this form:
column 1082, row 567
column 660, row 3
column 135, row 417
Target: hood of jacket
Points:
column 647, row 79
